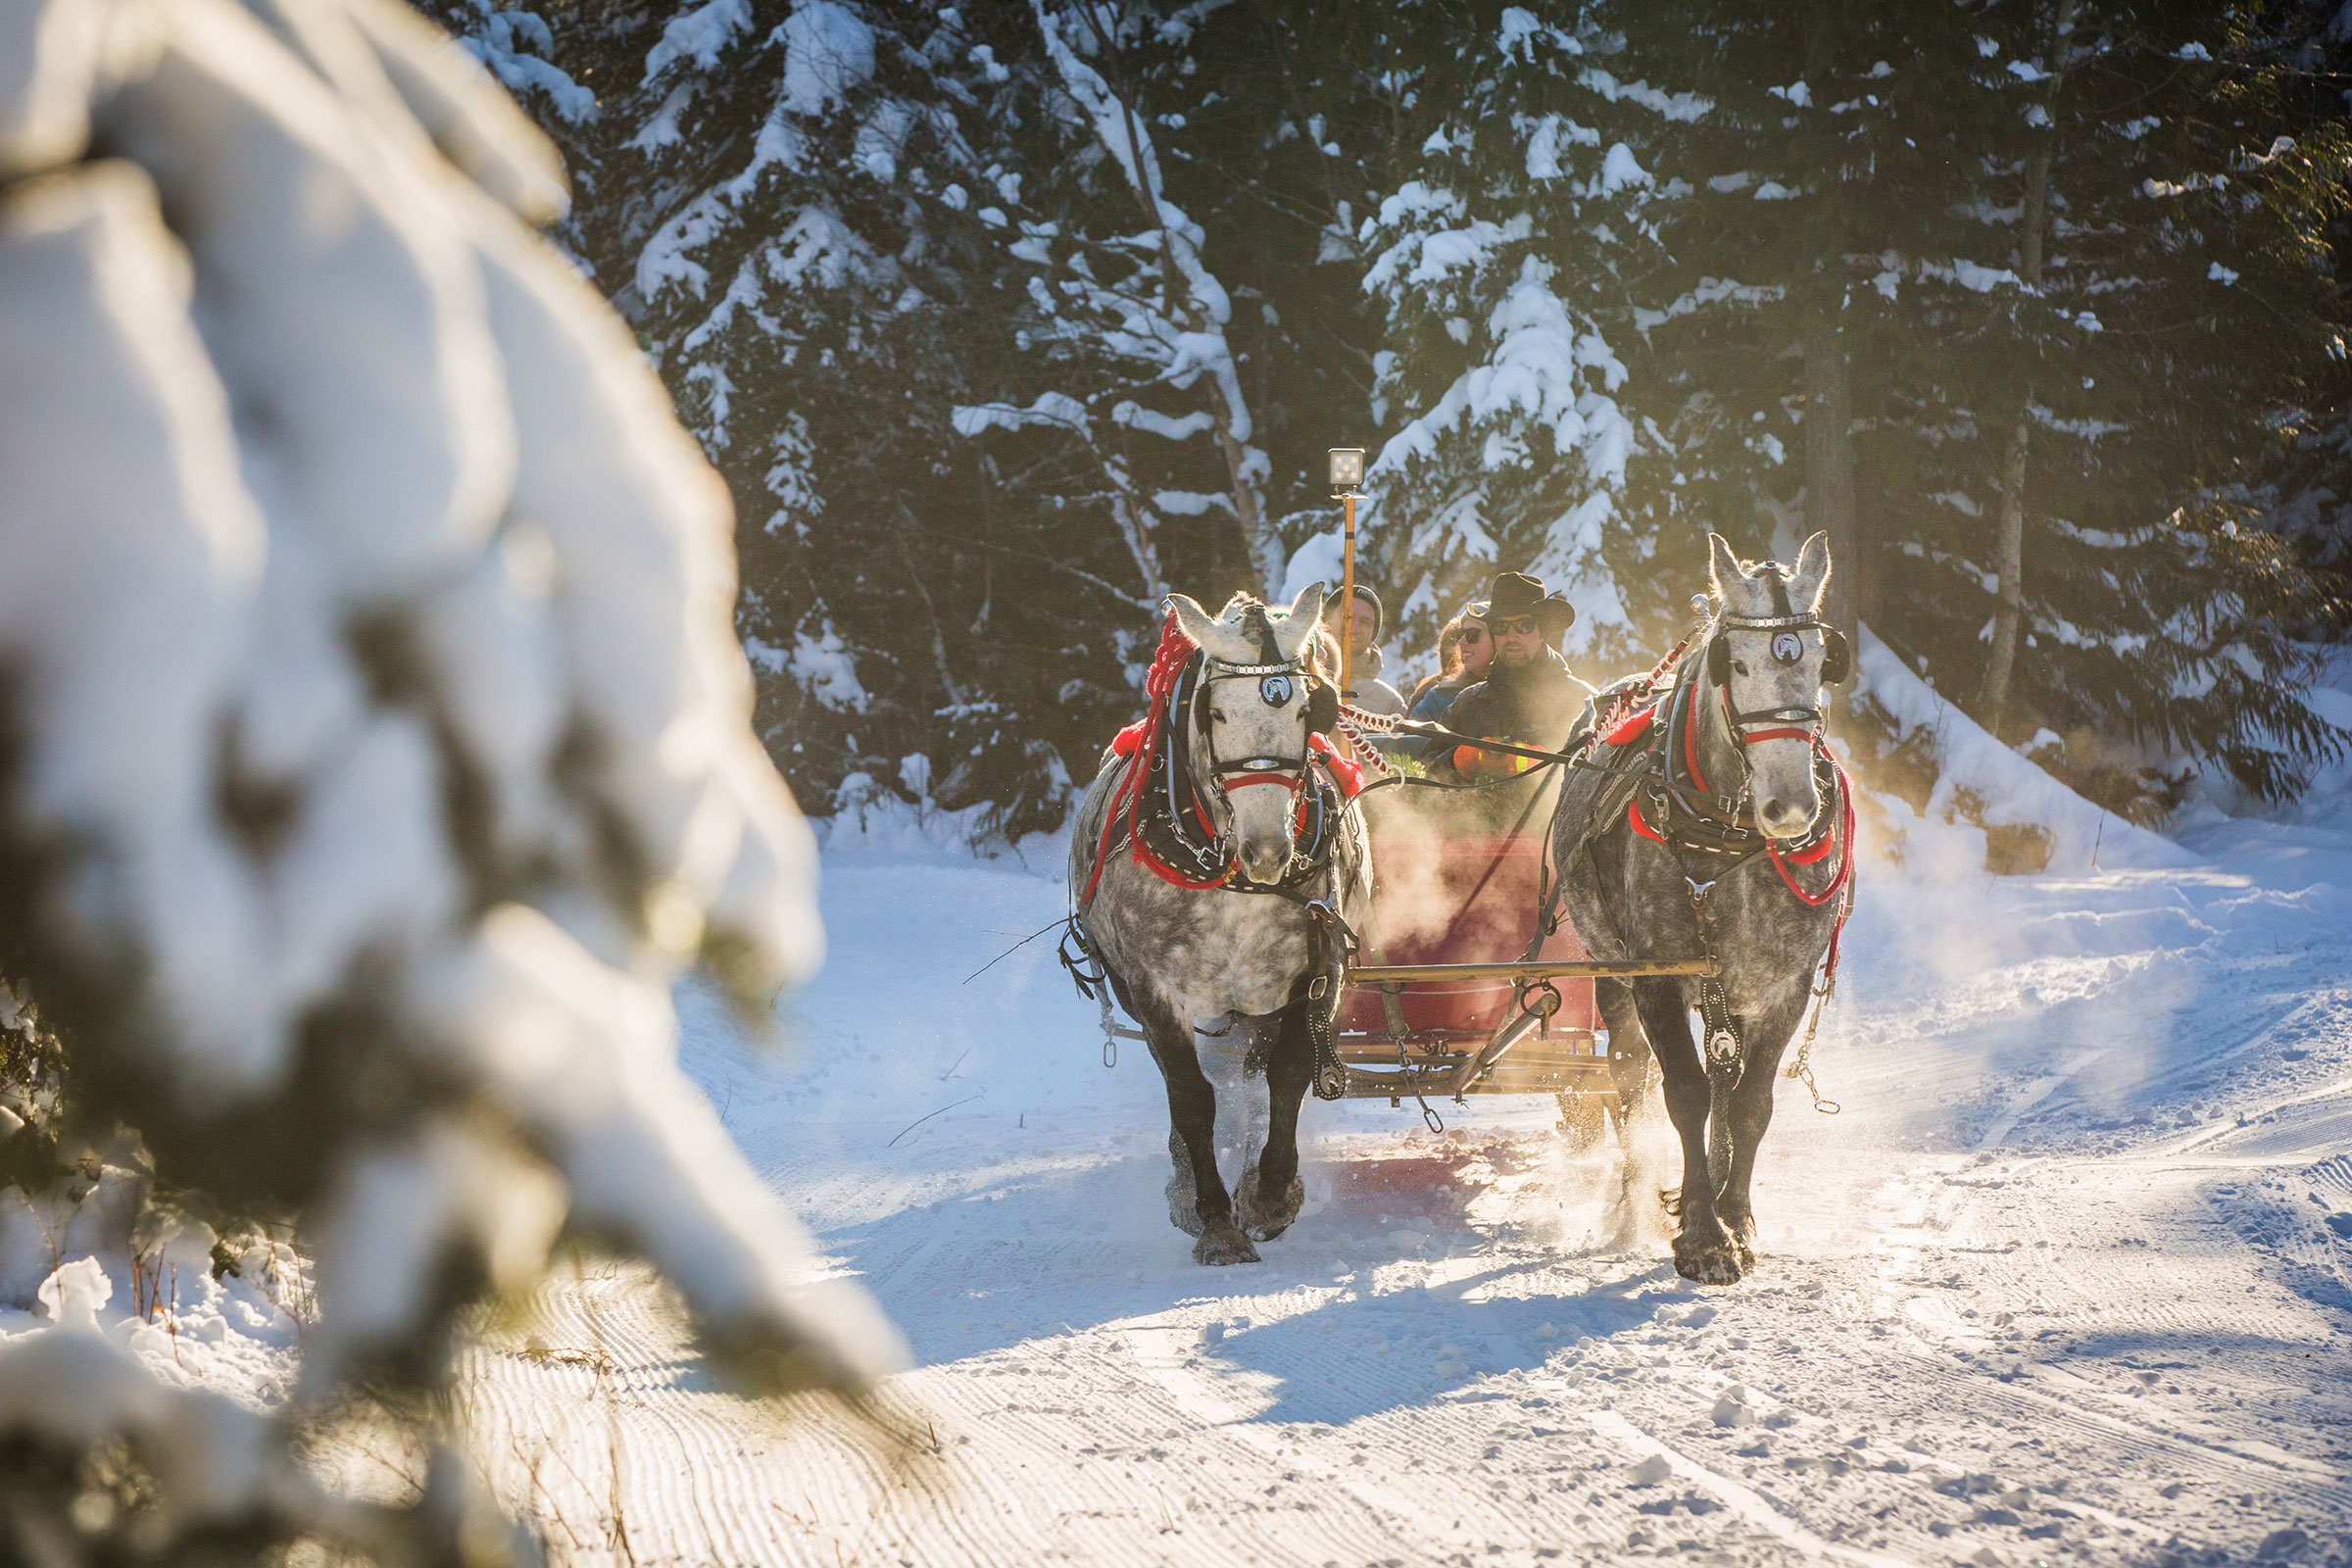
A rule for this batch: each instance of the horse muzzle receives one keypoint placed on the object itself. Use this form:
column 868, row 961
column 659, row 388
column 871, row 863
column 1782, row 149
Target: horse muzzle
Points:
column 1789, row 814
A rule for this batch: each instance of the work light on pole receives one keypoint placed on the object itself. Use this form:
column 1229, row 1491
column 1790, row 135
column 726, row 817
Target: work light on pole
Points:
column 1347, row 471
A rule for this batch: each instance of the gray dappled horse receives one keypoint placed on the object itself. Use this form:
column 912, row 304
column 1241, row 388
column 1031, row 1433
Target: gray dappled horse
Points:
column 1239, row 719
column 1723, row 828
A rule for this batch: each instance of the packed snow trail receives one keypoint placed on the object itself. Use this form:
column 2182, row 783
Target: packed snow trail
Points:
column 2072, row 1274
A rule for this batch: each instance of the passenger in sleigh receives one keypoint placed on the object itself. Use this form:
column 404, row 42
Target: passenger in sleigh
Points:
column 1464, row 652
column 1528, row 696
column 1363, row 622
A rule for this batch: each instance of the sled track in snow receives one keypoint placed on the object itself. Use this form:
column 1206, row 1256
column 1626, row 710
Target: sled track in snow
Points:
column 2062, row 1284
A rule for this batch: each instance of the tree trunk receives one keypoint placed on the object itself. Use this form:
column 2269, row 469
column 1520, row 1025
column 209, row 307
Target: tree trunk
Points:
column 2009, row 547
column 2009, row 567
column 1829, row 460
column 1829, row 385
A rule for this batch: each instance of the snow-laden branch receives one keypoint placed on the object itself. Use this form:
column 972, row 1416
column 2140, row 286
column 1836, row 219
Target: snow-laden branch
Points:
column 1197, row 308
column 382, row 744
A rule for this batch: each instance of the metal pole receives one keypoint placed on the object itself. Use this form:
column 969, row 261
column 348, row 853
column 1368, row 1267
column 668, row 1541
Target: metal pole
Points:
column 1347, row 603
column 1536, row 969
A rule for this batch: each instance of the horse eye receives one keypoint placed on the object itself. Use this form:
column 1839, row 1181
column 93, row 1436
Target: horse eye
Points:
column 1738, row 666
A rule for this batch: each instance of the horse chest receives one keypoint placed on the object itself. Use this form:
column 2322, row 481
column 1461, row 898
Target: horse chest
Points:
column 1207, row 952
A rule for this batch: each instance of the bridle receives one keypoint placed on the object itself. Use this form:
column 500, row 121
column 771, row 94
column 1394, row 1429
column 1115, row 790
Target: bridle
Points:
column 1800, row 722
column 1278, row 679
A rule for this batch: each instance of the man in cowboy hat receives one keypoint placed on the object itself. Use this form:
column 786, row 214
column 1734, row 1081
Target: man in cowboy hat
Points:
column 1528, row 696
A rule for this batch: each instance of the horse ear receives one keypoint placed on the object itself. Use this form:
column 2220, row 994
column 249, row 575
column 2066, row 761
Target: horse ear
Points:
column 1298, row 623
column 1723, row 566
column 1812, row 574
column 1192, row 619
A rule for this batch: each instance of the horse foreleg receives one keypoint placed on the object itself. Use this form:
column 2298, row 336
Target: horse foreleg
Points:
column 1748, row 1113
column 1192, row 1139
column 1702, row 1248
column 1271, row 1193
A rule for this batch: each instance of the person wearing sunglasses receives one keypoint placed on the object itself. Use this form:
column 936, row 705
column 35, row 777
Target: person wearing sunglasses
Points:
column 1528, row 696
column 1464, row 652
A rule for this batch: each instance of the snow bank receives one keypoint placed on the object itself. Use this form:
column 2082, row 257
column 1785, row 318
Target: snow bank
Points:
column 2007, row 789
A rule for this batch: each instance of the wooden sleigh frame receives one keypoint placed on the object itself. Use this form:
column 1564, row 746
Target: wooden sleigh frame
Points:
column 1430, row 1013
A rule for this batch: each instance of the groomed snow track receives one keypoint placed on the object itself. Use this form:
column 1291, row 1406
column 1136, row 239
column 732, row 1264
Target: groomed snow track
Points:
column 2069, row 1280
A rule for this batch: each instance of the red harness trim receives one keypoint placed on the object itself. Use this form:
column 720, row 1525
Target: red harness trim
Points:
column 1242, row 781
column 1346, row 771
column 1136, row 743
column 1842, row 836
column 1633, row 728
column 1690, row 747
column 1776, row 735
column 1632, row 818
column 1828, row 842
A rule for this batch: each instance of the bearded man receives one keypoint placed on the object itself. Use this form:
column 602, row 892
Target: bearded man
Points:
column 1528, row 696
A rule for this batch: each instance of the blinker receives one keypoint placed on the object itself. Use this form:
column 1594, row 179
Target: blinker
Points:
column 1275, row 690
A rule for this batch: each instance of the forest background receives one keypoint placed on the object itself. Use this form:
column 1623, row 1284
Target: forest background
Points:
column 1005, row 320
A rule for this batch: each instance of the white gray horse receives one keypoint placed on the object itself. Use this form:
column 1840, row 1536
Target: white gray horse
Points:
column 1723, row 829
column 1253, row 946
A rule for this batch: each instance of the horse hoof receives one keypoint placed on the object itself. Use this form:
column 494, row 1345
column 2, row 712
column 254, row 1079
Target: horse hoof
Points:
column 1742, row 1231
column 1223, row 1244
column 1265, row 1220
column 1709, row 1265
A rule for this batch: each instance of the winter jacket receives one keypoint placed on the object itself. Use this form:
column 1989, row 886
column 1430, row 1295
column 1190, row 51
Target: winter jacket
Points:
column 1372, row 694
column 1435, row 702
column 1533, row 705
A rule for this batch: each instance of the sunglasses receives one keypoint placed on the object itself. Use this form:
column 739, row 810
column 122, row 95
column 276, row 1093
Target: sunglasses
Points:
column 1517, row 626
column 1474, row 634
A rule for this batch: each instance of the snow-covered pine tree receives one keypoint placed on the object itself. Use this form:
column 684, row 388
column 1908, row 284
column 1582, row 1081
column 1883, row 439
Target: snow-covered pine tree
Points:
column 1924, row 251
column 1503, row 261
column 1797, row 165
column 894, row 261
column 1255, row 132
column 2307, row 498
column 780, row 197
column 378, row 754
column 1501, row 256
column 2157, row 287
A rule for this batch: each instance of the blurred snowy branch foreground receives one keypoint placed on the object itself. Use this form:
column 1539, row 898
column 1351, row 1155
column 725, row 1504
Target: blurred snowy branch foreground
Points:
column 375, row 751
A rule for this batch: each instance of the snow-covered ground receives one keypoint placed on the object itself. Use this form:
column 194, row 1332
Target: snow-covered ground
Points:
column 2070, row 1274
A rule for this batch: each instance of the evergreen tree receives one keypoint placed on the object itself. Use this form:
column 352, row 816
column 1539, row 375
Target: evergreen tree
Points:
column 1002, row 320
column 1504, row 261
column 2027, row 286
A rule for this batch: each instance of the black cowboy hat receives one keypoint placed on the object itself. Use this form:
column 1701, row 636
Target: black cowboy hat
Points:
column 1514, row 594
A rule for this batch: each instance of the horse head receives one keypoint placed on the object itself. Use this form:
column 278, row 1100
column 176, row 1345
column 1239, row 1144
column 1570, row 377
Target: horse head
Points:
column 1250, row 720
column 1769, row 656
